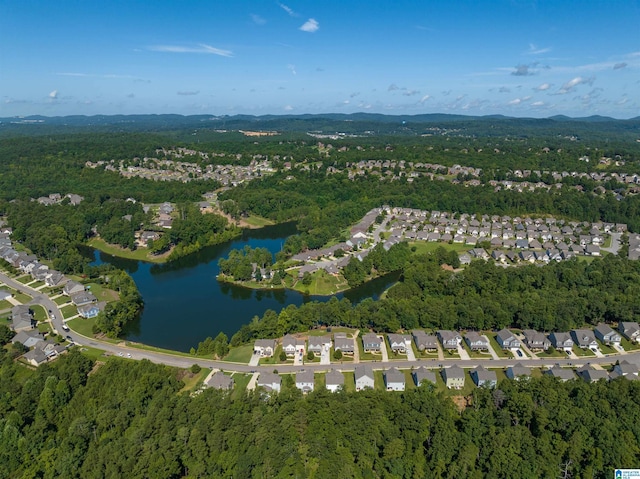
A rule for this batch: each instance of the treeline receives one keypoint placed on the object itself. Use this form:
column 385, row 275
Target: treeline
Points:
column 240, row 262
column 129, row 419
column 379, row 262
column 557, row 297
column 117, row 314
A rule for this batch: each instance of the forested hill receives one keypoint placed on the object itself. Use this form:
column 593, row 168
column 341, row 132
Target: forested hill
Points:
column 356, row 123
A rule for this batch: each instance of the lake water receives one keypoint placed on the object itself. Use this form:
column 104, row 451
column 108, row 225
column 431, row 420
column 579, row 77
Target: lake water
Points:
column 184, row 302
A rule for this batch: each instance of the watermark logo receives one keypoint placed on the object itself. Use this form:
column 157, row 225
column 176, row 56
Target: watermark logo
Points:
column 627, row 474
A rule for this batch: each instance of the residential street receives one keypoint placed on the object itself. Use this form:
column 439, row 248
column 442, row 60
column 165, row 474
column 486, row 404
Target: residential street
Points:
column 186, row 361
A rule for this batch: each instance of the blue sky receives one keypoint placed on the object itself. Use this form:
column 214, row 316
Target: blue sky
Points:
column 518, row 58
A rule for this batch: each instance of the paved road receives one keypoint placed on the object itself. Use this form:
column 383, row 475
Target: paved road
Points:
column 186, row 361
column 615, row 243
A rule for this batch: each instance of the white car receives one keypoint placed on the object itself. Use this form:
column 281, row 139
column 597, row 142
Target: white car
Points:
column 120, row 354
column 128, row 355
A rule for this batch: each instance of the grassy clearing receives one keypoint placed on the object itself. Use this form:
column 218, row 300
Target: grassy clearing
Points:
column 378, row 381
column 82, row 326
column 92, row 353
column 102, row 293
column 4, row 304
column 140, row 254
column 583, row 353
column 69, row 311
column 193, row 381
column 423, row 247
column 146, row 347
column 606, row 349
column 240, row 354
column 62, row 300
column 22, row 298
column 257, row 221
column 241, row 382
column 628, row 345
column 451, row 354
column 39, row 313
column 37, row 284
column 322, row 284
column 44, row 328
column 24, row 279
column 349, row 382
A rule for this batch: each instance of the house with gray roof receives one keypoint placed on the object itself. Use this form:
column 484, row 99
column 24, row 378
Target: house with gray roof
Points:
column 625, row 369
column 292, row 345
column 584, row 338
column 219, row 380
column 5, row 294
column 90, row 310
column 21, row 318
column 35, row 357
column 518, row 372
column 449, row 339
column 72, row 287
column 394, row 380
column 264, row 347
column 343, row 344
column 319, row 343
column 507, row 340
column 270, row 381
column 592, row 375
column 28, row 338
column 423, row 375
column 363, row 375
column 536, row 341
column 305, row 381
column 84, row 297
column 334, row 380
column 630, row 330
column 476, row 342
column 424, row 341
column 561, row 341
column 607, row 335
column 371, row 343
column 398, row 343
column 561, row 373
column 53, row 278
column 453, row 377
column 483, row 377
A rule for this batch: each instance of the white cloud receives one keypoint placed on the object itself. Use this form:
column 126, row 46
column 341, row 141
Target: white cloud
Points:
column 287, row 9
column 288, row 108
column 201, row 48
column 425, row 98
column 292, row 69
column 533, row 50
column 187, row 93
column 310, row 26
column 515, row 101
column 257, row 19
column 53, row 95
column 574, row 82
column 537, row 103
column 543, row 87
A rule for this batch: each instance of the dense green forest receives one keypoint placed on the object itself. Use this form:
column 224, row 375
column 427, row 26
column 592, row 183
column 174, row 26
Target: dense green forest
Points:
column 556, row 297
column 129, row 419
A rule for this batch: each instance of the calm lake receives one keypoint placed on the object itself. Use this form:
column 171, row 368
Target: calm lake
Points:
column 184, row 303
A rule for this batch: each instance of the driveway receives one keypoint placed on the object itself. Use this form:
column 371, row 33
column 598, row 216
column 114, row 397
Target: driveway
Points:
column 411, row 356
column 252, row 382
column 464, row 355
column 491, row 350
column 325, row 356
column 615, row 243
column 383, row 350
column 255, row 359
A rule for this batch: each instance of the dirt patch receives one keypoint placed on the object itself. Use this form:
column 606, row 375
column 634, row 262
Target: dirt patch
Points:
column 97, row 365
column 462, row 402
column 184, row 374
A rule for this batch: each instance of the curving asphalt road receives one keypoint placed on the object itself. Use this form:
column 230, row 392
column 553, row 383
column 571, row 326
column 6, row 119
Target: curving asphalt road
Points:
column 185, row 362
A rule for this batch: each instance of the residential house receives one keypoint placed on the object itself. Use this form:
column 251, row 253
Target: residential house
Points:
column 592, row 375
column 53, row 278
column 476, row 342
column 269, row 381
column 607, row 335
column 4, row 294
column 518, row 372
column 35, row 357
column 364, row 377
column 560, row 373
column 84, row 297
column 398, row 343
column 219, row 380
column 28, row 338
column 342, row 343
column 453, row 377
column 90, row 310
column 584, row 338
column 264, row 347
column 72, row 287
column 630, row 330
column 334, row 380
column 484, row 377
column 507, row 340
column 21, row 318
column 424, row 341
column 535, row 340
column 319, row 343
column 394, row 380
column 292, row 345
column 561, row 341
column 625, row 369
column 449, row 339
column 305, row 381
column 423, row 375
column 371, row 343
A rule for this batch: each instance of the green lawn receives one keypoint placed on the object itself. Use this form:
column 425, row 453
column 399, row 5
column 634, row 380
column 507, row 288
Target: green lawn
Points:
column 628, row 345
column 496, row 347
column 606, row 349
column 92, row 353
column 430, row 246
column 62, row 300
column 140, row 254
column 583, row 353
column 275, row 359
column 194, row 381
column 102, row 293
column 240, row 354
column 69, row 311
column 4, row 304
column 367, row 356
column 550, row 353
column 322, row 283
column 258, row 221
column 24, row 279
column 319, row 382
column 37, row 284
column 240, row 384
column 146, row 347
column 450, row 354
column 82, row 326
column 349, row 382
column 23, row 298
column 44, row 328
column 39, row 313
column 408, row 379
column 378, row 381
